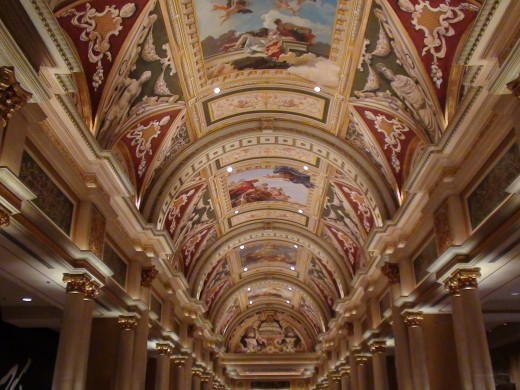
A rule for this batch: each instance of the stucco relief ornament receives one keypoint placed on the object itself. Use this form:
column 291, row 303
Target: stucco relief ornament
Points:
column 363, row 208
column 98, row 28
column 142, row 138
column 393, row 131
column 436, row 28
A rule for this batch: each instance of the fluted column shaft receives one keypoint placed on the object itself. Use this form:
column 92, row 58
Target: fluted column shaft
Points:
column 125, row 352
column 80, row 377
column 461, row 342
column 162, row 373
column 345, row 382
column 415, row 334
column 195, row 382
column 140, row 352
column 178, row 364
column 402, row 351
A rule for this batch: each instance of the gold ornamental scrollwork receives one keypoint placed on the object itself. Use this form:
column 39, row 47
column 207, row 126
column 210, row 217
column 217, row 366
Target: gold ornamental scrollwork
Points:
column 413, row 318
column 378, row 346
column 391, row 271
column 336, row 376
column 5, row 219
column 76, row 283
column 91, row 290
column 344, row 371
column 514, row 86
column 12, row 95
column 179, row 360
column 127, row 322
column 148, row 275
column 197, row 373
column 164, row 349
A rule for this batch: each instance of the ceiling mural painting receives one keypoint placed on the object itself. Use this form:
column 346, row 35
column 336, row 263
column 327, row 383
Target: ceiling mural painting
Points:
column 228, row 313
column 322, row 279
column 269, row 331
column 436, row 28
column 271, row 254
column 290, row 35
column 216, row 282
column 348, row 246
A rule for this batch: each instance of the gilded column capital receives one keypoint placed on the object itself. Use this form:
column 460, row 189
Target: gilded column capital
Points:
column 12, row 95
column 127, row 322
column 336, row 376
column 179, row 360
column 164, row 349
column 91, row 290
column 148, row 275
column 463, row 279
column 378, row 346
column 76, row 282
column 197, row 372
column 391, row 271
column 344, row 371
column 5, row 219
column 514, row 86
column 361, row 359
column 413, row 318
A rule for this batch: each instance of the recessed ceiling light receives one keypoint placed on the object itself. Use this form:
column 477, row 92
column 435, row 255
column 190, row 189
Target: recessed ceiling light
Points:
column 242, row 246
column 27, row 299
column 296, row 246
column 290, row 288
column 288, row 301
column 249, row 289
column 515, row 293
column 292, row 268
column 236, row 211
column 317, row 89
column 229, row 169
column 305, row 168
column 300, row 211
column 217, row 90
column 245, row 269
column 250, row 302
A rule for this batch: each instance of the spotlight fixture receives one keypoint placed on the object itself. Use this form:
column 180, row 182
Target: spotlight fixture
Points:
column 245, row 269
column 242, row 246
column 305, row 168
column 236, row 211
column 317, row 89
column 288, row 301
column 249, row 289
column 300, row 211
column 27, row 299
column 250, row 302
column 296, row 246
column 229, row 169
column 290, row 288
column 216, row 90
column 293, row 268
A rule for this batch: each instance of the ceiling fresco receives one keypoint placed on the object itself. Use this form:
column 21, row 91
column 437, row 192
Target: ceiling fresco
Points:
column 268, row 188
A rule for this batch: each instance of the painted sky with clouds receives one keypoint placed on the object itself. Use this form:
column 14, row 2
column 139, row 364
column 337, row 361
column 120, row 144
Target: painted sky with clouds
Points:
column 318, row 15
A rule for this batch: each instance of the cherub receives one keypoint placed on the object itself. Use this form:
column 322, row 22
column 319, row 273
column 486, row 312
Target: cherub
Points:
column 232, row 7
column 292, row 5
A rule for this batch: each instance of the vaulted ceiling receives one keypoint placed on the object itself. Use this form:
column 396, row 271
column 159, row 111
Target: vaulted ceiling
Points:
column 271, row 188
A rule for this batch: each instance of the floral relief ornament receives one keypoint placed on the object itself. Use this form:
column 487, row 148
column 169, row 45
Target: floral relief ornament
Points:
column 435, row 31
column 98, row 28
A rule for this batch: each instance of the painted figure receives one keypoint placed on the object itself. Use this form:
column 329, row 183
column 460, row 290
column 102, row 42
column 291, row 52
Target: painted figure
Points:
column 231, row 8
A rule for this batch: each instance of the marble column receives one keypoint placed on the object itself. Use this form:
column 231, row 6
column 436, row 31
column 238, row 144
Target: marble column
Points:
column 335, row 380
column 413, row 321
column 196, row 379
column 80, row 378
column 125, row 353
column 469, row 313
column 345, row 378
column 140, row 358
column 179, row 363
column 362, row 369
column 403, row 361
column 162, row 372
column 378, row 349
column 72, row 356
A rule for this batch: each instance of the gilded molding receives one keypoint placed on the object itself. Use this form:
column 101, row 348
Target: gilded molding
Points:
column 514, row 86
column 164, row 349
column 378, row 346
column 12, row 95
column 127, row 322
column 344, row 371
column 391, row 271
column 442, row 227
column 336, row 376
column 76, row 282
column 413, row 318
column 179, row 360
column 148, row 275
column 91, row 290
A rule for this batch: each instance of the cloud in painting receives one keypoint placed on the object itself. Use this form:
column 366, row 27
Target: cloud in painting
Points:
column 322, row 31
column 321, row 71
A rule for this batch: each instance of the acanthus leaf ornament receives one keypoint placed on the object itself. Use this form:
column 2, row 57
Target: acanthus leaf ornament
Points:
column 12, row 95
column 148, row 275
column 391, row 271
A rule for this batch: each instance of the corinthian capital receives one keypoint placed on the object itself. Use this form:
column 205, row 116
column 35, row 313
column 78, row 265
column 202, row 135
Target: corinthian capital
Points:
column 12, row 95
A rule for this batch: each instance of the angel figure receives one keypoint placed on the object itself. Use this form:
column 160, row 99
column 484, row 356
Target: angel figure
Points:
column 232, row 7
column 292, row 5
